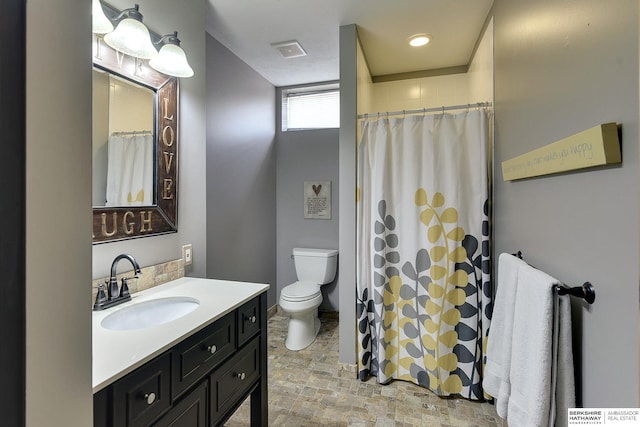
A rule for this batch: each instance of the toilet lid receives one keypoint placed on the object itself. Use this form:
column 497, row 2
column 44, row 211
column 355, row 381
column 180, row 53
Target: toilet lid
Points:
column 300, row 291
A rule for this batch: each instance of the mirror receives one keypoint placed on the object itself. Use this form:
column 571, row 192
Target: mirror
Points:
column 123, row 116
column 135, row 147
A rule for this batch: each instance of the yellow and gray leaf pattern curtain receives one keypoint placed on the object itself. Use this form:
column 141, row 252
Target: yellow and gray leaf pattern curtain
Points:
column 424, row 296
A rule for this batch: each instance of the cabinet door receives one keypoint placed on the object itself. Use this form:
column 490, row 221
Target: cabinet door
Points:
column 143, row 395
column 101, row 406
column 233, row 379
column 194, row 358
column 189, row 412
column 249, row 317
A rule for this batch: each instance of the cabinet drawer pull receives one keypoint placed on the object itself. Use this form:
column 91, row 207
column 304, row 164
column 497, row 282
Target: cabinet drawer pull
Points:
column 241, row 376
column 212, row 349
column 251, row 319
column 150, row 398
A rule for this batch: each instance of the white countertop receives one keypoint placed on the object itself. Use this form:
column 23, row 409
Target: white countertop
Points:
column 116, row 353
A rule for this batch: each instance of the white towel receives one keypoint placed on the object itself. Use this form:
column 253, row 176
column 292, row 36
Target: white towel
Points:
column 496, row 380
column 529, row 367
column 565, row 396
column 532, row 353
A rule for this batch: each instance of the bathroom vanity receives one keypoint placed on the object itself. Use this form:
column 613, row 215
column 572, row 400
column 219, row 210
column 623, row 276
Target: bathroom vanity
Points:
column 193, row 371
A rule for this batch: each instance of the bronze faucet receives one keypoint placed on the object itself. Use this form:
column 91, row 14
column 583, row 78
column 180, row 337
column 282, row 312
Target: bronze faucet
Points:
column 115, row 295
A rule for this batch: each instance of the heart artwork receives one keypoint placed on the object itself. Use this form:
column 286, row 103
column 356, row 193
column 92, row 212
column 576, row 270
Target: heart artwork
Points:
column 317, row 188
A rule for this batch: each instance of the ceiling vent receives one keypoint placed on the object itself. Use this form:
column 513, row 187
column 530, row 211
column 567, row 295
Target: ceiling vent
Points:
column 290, row 49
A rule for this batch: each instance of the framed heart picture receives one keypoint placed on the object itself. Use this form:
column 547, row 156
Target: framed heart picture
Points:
column 317, row 199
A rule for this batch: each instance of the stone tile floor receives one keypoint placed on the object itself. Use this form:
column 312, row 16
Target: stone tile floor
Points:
column 310, row 388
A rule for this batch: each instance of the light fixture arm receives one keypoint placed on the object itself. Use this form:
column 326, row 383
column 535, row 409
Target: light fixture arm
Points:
column 132, row 12
column 169, row 39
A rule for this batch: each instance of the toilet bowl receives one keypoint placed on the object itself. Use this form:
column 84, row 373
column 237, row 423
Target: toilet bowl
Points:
column 301, row 299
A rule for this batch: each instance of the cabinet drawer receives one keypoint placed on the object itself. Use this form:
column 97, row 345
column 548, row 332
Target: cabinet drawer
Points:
column 142, row 396
column 233, row 379
column 189, row 412
column 193, row 358
column 248, row 320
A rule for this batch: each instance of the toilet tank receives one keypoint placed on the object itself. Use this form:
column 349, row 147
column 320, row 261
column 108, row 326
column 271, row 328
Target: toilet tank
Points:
column 315, row 265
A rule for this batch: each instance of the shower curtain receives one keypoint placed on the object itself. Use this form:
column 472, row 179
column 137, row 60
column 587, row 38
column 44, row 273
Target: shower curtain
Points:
column 130, row 170
column 424, row 295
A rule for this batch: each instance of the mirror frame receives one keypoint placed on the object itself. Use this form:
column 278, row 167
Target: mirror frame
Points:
column 120, row 223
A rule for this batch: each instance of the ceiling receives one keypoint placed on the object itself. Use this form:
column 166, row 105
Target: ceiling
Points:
column 248, row 28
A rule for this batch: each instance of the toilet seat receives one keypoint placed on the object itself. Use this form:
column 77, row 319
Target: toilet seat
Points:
column 300, row 291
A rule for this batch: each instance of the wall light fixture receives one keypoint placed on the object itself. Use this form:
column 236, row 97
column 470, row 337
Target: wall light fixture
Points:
column 101, row 24
column 131, row 36
column 171, row 58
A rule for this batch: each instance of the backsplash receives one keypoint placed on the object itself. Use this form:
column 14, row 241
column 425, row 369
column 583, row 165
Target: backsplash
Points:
column 151, row 276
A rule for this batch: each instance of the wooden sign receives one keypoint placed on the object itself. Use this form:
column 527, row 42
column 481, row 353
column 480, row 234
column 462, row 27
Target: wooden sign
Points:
column 593, row 147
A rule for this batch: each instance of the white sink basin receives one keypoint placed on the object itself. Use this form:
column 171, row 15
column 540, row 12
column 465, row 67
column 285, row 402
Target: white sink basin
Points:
column 150, row 313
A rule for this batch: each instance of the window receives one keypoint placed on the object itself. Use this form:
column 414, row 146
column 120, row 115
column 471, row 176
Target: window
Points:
column 312, row 107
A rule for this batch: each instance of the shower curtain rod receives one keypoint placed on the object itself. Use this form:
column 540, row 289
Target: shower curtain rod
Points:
column 424, row 110
column 135, row 132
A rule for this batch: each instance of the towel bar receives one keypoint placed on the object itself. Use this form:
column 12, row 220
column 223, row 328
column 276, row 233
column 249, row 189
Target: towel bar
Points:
column 586, row 291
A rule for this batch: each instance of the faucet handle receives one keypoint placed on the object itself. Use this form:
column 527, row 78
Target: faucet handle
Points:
column 101, row 297
column 124, row 289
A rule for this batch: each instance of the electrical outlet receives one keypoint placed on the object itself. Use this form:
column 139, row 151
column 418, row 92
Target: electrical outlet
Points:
column 187, row 254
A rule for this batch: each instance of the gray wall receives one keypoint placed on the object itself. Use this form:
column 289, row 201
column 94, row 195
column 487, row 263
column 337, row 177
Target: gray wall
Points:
column 241, row 195
column 58, row 215
column 309, row 155
column 579, row 68
column 347, row 212
column 188, row 18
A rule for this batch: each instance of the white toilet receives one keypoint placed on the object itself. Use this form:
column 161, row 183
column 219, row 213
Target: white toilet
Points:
column 300, row 300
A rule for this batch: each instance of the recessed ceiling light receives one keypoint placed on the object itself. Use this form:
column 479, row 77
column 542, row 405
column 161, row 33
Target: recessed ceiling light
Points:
column 419, row 39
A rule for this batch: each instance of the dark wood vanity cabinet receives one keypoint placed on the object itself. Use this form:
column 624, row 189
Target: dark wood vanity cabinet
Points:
column 201, row 381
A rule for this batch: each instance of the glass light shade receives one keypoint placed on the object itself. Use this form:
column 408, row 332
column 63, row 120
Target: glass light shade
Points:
column 101, row 24
column 172, row 60
column 132, row 38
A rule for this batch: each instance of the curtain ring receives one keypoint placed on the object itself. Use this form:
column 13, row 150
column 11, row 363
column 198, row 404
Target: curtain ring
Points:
column 443, row 109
